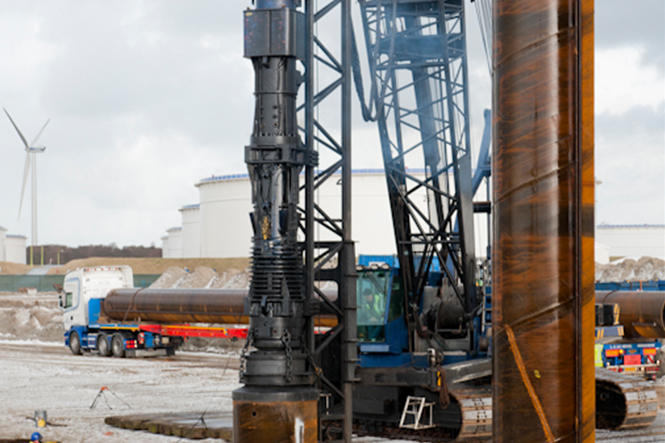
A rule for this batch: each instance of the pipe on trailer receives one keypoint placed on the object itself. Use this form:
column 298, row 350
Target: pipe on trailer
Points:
column 176, row 305
column 543, row 254
column 642, row 314
column 223, row 306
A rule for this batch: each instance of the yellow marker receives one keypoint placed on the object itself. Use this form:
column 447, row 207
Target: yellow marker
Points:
column 265, row 228
column 536, row 373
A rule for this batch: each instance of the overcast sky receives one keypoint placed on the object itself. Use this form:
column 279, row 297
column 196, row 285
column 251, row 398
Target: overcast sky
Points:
column 148, row 97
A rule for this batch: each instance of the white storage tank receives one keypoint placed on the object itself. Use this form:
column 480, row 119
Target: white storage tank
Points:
column 191, row 231
column 165, row 246
column 15, row 248
column 225, row 230
column 174, row 242
column 225, row 205
column 632, row 240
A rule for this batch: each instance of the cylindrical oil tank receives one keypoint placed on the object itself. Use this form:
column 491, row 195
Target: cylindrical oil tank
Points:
column 642, row 314
column 543, row 247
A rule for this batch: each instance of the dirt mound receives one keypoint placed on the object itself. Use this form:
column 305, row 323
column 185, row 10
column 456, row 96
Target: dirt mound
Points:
column 13, row 268
column 203, row 277
column 223, row 278
column 643, row 269
column 30, row 317
column 200, row 278
column 236, row 280
column 153, row 265
column 169, row 278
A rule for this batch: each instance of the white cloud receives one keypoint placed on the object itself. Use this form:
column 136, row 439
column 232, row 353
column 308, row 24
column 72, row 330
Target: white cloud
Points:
column 146, row 98
column 624, row 81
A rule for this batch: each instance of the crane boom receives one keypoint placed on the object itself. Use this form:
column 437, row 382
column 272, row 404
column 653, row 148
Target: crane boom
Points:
column 417, row 52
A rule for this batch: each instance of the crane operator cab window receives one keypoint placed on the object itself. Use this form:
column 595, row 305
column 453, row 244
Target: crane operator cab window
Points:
column 372, row 296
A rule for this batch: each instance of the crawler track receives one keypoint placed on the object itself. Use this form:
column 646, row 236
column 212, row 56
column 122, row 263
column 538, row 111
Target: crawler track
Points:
column 476, row 409
column 624, row 401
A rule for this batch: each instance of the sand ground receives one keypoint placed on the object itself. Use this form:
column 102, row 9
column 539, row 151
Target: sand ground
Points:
column 39, row 373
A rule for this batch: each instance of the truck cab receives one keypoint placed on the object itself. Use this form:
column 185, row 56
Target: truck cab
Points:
column 82, row 293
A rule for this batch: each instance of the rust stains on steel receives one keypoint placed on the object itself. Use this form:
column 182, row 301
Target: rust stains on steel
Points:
column 543, row 292
column 642, row 314
column 281, row 418
column 224, row 306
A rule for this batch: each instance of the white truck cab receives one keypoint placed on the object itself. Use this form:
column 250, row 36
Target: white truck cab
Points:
column 84, row 284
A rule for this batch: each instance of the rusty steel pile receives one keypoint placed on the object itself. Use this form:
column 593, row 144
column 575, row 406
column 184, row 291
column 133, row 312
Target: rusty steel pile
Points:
column 543, row 288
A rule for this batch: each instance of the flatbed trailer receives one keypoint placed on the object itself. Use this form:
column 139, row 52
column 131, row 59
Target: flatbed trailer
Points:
column 143, row 340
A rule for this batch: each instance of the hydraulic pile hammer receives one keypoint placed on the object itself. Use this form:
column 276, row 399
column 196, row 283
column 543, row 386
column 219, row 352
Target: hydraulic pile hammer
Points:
column 278, row 402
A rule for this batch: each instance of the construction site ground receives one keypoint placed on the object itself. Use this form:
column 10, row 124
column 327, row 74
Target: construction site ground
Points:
column 39, row 373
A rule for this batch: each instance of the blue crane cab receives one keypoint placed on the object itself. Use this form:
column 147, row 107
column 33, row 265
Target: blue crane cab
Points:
column 383, row 338
column 382, row 330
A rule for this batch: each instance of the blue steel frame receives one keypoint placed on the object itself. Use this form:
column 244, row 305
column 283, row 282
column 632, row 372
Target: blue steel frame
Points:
column 417, row 57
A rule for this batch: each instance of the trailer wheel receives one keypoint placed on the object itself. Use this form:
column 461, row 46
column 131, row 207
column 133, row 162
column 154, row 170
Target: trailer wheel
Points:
column 75, row 343
column 103, row 345
column 118, row 346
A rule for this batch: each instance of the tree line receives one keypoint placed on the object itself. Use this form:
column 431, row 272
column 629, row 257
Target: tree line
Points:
column 54, row 254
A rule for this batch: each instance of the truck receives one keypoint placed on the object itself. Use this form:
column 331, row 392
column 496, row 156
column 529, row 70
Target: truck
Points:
column 88, row 327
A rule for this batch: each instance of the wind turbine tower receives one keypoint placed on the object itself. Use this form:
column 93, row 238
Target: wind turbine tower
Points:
column 30, row 167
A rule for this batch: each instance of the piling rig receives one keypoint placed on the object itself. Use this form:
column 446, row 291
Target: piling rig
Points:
column 282, row 381
column 421, row 103
column 277, row 376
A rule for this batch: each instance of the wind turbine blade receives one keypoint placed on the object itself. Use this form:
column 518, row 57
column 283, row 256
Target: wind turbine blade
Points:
column 39, row 134
column 17, row 129
column 26, row 171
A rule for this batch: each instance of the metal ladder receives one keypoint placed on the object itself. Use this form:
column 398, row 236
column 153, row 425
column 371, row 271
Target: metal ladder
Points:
column 415, row 406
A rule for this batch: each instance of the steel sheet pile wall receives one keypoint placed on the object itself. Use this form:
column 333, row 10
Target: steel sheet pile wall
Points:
column 543, row 301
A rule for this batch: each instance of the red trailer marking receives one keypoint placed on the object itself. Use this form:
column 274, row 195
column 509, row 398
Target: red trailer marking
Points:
column 195, row 331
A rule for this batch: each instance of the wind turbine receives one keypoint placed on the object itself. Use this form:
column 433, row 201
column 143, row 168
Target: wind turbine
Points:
column 31, row 151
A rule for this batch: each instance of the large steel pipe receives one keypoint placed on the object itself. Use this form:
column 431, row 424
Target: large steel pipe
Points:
column 642, row 314
column 543, row 254
column 224, row 306
column 176, row 305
